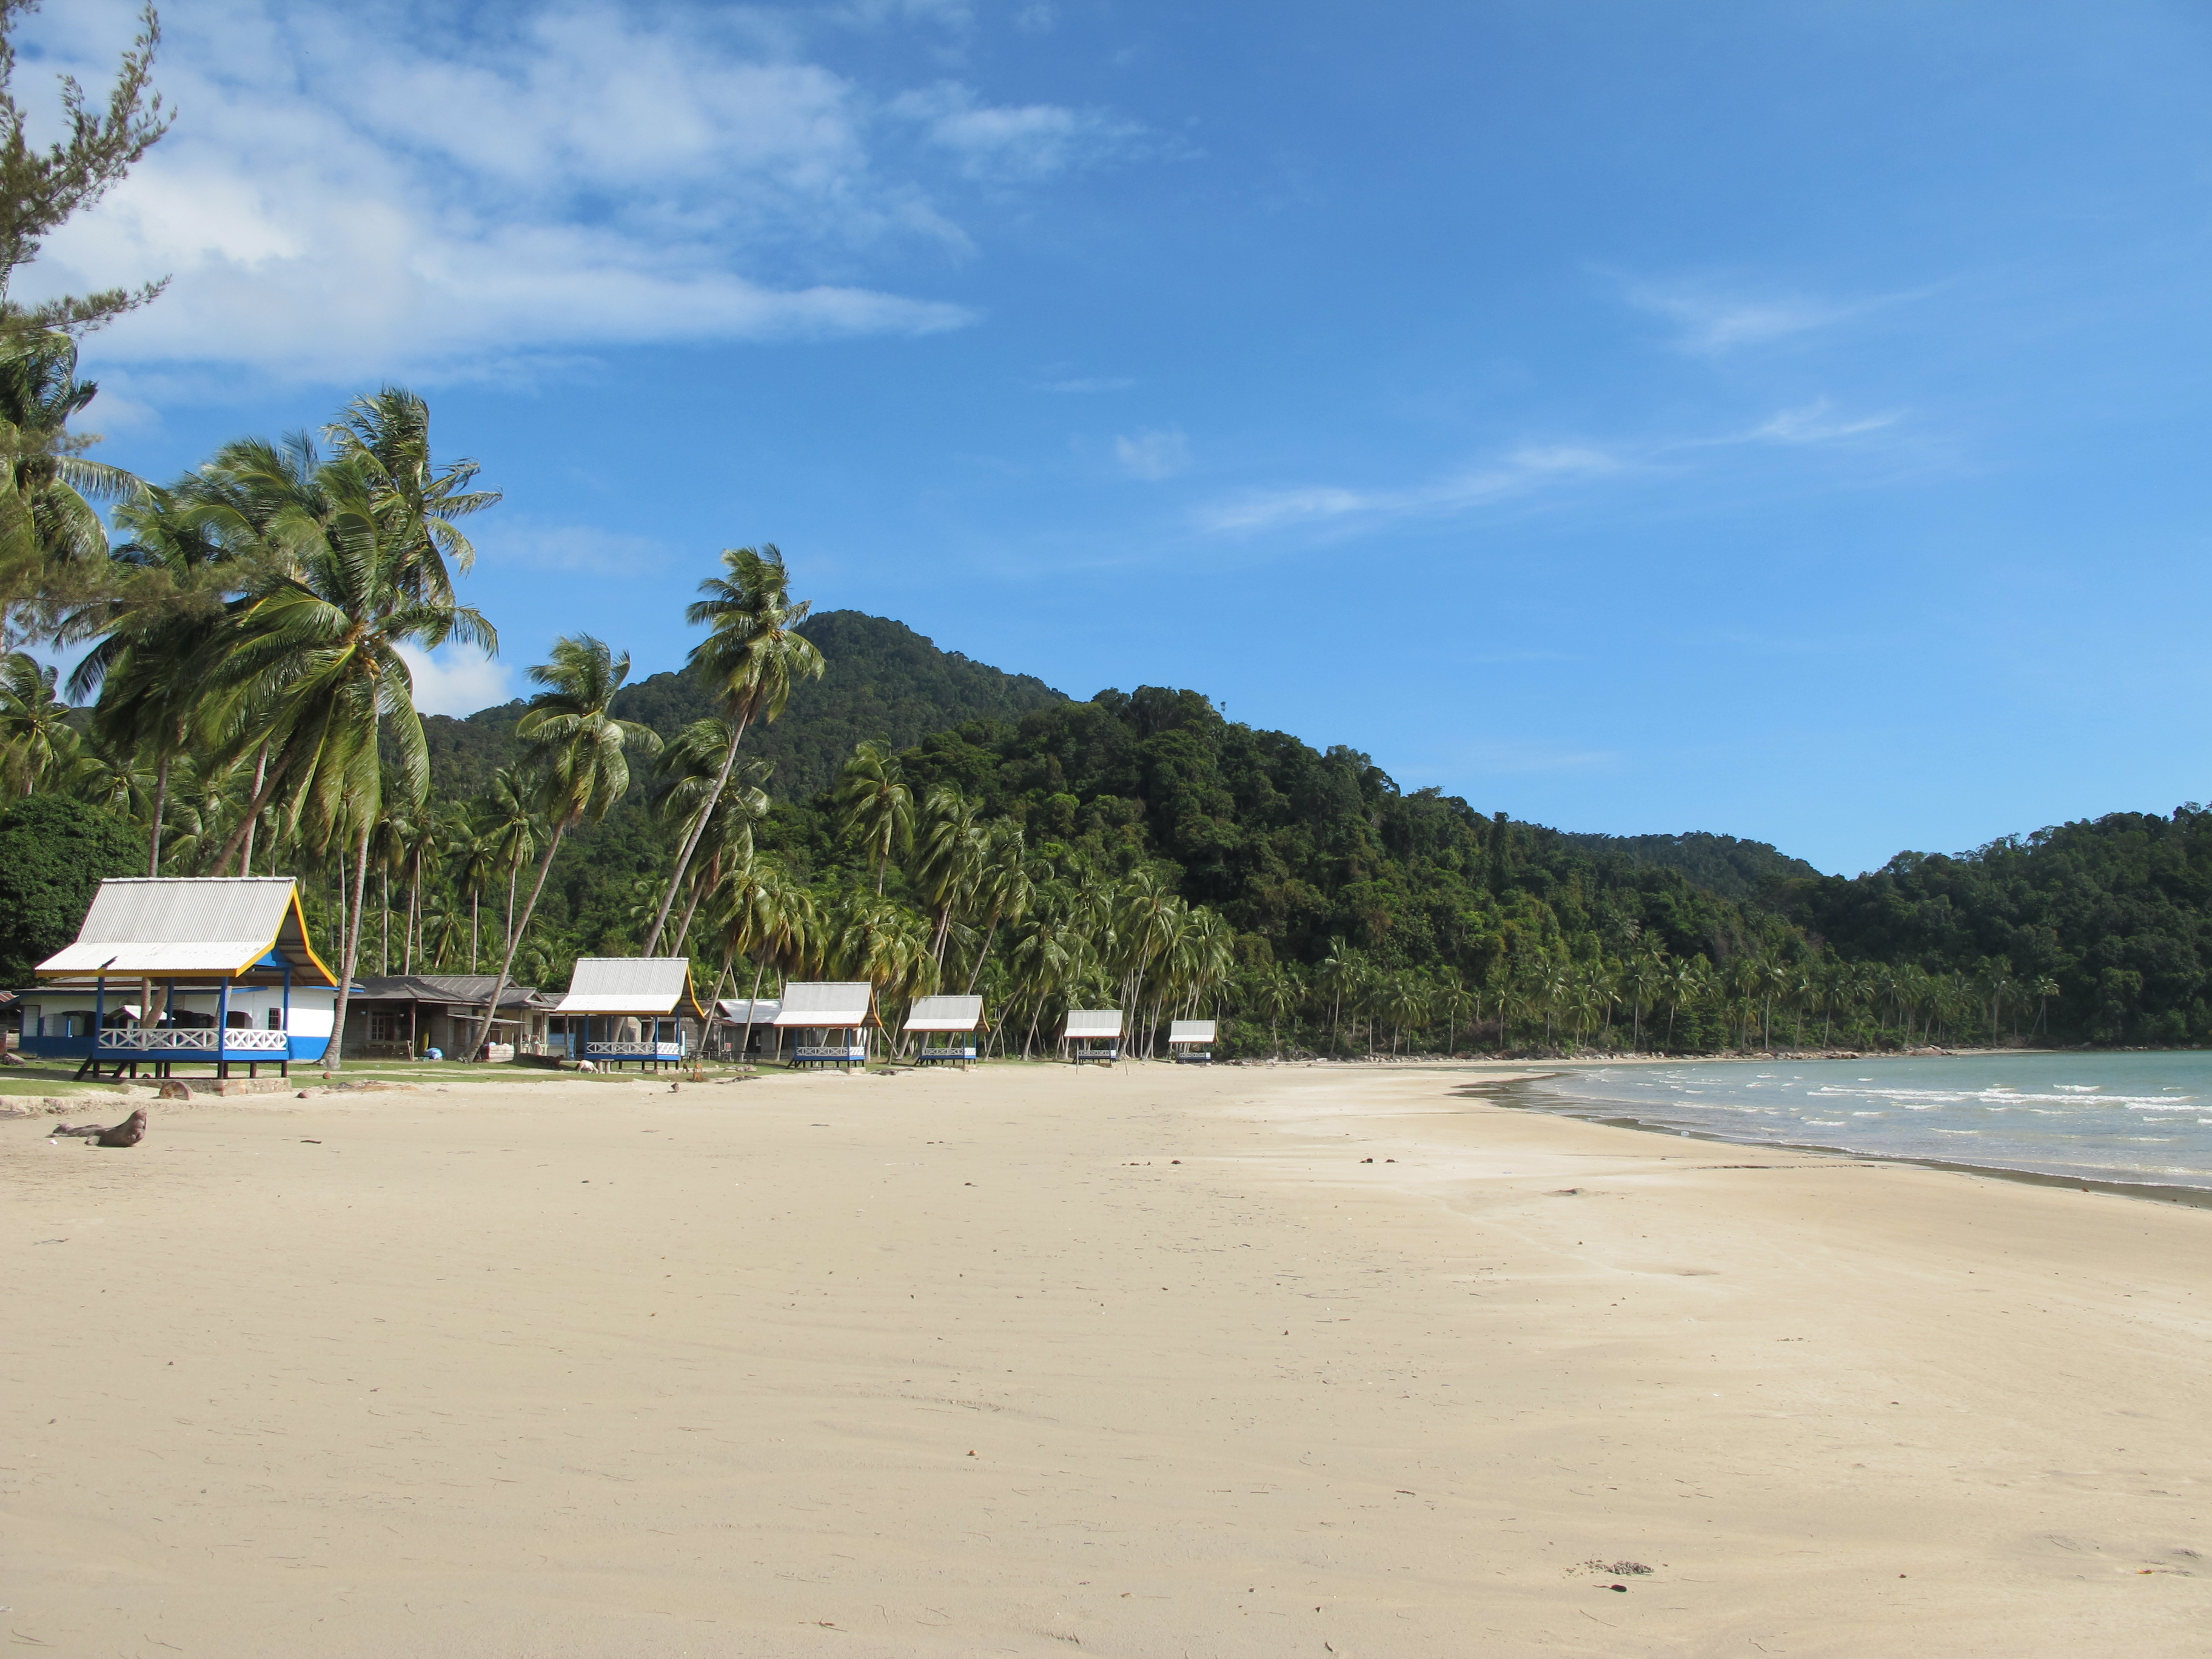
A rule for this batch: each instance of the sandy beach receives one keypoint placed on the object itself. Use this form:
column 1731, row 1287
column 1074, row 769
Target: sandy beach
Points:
column 1144, row 1362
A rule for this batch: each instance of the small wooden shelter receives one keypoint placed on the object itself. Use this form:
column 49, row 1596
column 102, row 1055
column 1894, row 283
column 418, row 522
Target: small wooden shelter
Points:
column 956, row 1017
column 837, row 1014
column 618, row 1010
column 235, row 979
column 744, row 1026
column 1191, row 1039
column 1092, row 1033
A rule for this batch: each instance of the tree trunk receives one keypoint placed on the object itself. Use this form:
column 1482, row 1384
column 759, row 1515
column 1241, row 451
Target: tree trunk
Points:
column 334, row 1059
column 476, row 900
column 691, row 841
column 260, row 777
column 160, row 807
column 239, row 837
column 507, row 966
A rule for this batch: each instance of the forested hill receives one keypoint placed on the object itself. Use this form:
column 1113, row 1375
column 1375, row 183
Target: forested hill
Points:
column 1302, row 849
column 2115, row 913
column 884, row 680
column 1740, row 870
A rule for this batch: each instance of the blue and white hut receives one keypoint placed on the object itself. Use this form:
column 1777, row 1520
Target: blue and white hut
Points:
column 1092, row 1033
column 1191, row 1039
column 834, row 1018
column 235, row 980
column 623, row 1010
column 956, row 1018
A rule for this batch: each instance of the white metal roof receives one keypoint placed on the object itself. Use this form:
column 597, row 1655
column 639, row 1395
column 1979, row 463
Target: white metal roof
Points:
column 629, row 985
column 737, row 1010
column 945, row 1014
column 161, row 925
column 1190, row 1030
column 833, row 1004
column 1093, row 1023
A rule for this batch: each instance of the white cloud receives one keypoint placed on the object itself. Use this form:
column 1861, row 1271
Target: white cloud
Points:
column 1010, row 144
column 1815, row 423
column 1153, row 454
column 1517, row 474
column 368, row 190
column 1521, row 473
column 455, row 679
column 1712, row 320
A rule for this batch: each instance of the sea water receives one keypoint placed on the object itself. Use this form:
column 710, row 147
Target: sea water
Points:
column 2136, row 1118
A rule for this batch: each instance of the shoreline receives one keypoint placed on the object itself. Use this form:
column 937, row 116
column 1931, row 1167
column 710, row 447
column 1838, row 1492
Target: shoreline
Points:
column 2198, row 1198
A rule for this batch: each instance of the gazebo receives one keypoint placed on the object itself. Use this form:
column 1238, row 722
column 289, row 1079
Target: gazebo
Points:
column 232, row 972
column 1090, row 1028
column 838, row 1013
column 957, row 1016
column 609, row 1000
column 1191, row 1039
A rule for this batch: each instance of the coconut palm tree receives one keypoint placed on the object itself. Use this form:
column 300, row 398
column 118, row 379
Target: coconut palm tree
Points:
column 578, row 753
column 387, row 435
column 720, row 826
column 876, row 804
column 316, row 659
column 53, row 549
column 751, row 659
column 34, row 725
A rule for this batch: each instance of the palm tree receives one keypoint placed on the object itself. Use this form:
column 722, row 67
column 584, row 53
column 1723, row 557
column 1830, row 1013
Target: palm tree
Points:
column 579, row 752
column 53, row 550
column 877, row 806
column 720, row 825
column 510, row 825
column 752, row 659
column 386, row 433
column 316, row 659
column 33, row 724
column 767, row 919
column 949, row 857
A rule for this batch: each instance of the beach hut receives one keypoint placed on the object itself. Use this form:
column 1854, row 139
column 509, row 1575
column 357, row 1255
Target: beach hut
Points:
column 232, row 978
column 413, row 1016
column 956, row 1017
column 622, row 1008
column 836, row 1013
column 745, row 1026
column 1191, row 1039
column 1092, row 1033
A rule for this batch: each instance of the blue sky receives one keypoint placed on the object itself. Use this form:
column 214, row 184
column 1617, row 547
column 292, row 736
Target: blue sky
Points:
column 1782, row 419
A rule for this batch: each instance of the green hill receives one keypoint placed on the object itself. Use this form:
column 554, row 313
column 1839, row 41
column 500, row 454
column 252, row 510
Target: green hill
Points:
column 1740, row 870
column 884, row 680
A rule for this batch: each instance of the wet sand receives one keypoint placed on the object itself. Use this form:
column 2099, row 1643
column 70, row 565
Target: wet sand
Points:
column 961, row 1364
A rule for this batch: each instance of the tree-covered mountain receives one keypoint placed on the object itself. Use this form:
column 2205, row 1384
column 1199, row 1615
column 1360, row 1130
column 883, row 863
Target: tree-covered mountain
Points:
column 1303, row 851
column 883, row 681
column 2114, row 913
column 1740, row 870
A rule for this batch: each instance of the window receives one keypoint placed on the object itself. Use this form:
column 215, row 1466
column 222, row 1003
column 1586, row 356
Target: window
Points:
column 385, row 1027
column 276, row 1020
column 239, row 1020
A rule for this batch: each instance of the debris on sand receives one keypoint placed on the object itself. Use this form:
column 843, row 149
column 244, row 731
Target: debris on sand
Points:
column 129, row 1133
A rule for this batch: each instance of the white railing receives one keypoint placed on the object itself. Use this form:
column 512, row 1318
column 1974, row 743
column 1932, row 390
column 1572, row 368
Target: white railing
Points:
column 838, row 1051
column 198, row 1040
column 634, row 1050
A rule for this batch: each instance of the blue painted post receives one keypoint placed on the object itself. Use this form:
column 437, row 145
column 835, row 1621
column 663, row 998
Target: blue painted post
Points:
column 222, row 1030
column 285, row 1068
column 99, row 1023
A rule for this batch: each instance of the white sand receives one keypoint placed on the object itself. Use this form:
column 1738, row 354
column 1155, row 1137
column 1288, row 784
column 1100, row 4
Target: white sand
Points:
column 586, row 1369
